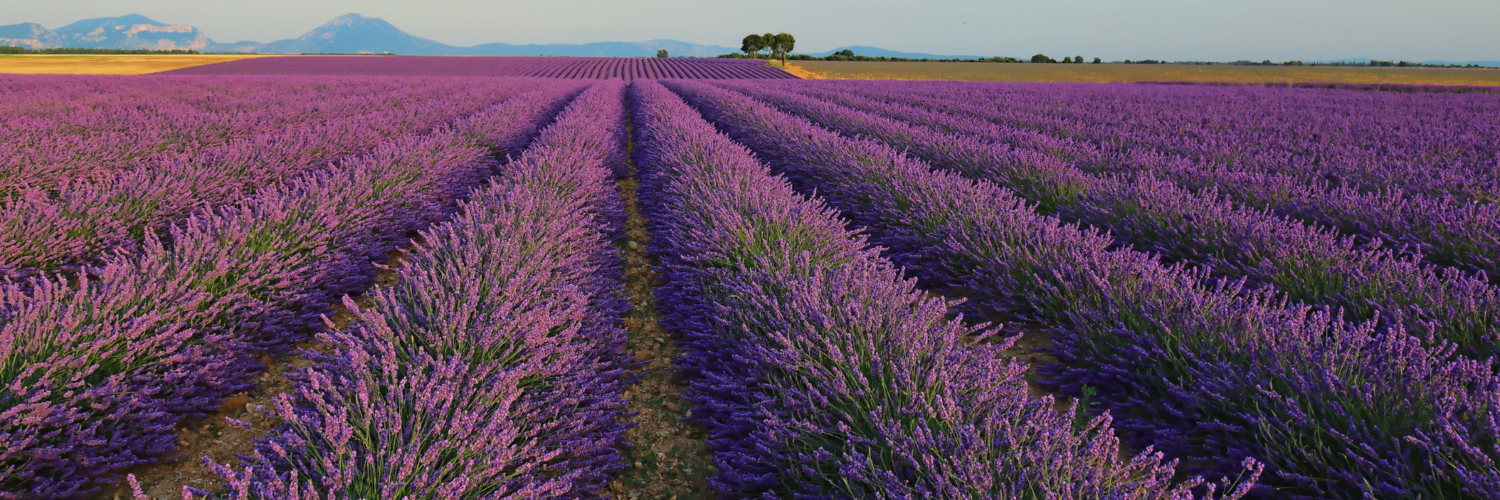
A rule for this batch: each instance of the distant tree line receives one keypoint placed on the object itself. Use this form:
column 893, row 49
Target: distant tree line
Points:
column 6, row 49
column 1268, row 62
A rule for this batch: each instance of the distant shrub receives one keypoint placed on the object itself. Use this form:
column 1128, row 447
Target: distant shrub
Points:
column 67, row 50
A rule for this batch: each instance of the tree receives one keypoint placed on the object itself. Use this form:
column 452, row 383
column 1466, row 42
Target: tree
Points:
column 752, row 44
column 784, row 44
column 846, row 53
column 768, row 42
column 662, row 53
column 1078, row 59
column 1097, row 61
column 1041, row 58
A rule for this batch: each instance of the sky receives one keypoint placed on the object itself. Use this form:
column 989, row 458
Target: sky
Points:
column 1209, row 30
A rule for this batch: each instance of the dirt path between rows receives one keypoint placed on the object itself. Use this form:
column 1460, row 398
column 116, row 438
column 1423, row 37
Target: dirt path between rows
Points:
column 668, row 457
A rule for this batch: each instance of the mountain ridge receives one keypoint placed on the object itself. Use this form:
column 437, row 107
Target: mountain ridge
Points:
column 347, row 34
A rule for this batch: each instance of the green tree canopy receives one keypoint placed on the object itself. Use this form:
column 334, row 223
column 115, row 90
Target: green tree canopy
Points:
column 784, row 44
column 752, row 44
column 661, row 53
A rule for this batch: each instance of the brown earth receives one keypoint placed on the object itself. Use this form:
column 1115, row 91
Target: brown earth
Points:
column 91, row 64
column 668, row 457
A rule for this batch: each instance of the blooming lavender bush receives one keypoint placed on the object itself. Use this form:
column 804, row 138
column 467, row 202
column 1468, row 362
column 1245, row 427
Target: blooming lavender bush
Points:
column 494, row 367
column 821, row 373
column 1211, row 374
column 1309, row 264
column 1445, row 228
column 92, row 214
column 97, row 374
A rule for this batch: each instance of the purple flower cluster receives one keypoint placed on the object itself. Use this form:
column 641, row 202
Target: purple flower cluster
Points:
column 1388, row 87
column 1304, row 263
column 1302, row 161
column 61, row 223
column 494, row 367
column 1208, row 373
column 820, row 372
column 97, row 371
column 593, row 68
column 85, row 128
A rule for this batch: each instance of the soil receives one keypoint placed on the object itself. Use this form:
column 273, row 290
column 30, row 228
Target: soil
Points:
column 216, row 438
column 669, row 459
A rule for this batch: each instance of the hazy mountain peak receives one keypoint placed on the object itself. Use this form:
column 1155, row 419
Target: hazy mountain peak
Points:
column 92, row 25
column 29, row 35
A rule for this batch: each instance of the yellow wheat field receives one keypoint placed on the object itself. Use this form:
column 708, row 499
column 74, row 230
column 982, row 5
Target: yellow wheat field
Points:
column 91, row 64
column 866, row 70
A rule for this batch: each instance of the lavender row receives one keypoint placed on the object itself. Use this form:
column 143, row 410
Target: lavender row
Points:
column 1304, row 263
column 601, row 68
column 494, row 367
column 48, row 152
column 1387, row 87
column 1209, row 374
column 99, row 372
column 1446, row 230
column 41, row 231
column 819, row 371
column 1430, row 144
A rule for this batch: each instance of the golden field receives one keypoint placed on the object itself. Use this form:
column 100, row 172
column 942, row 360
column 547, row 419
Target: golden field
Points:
column 91, row 64
column 869, row 70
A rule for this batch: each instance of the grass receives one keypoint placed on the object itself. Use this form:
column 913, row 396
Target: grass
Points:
column 92, row 64
column 869, row 70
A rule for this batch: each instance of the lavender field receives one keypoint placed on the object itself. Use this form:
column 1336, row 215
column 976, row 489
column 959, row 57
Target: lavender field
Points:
column 867, row 289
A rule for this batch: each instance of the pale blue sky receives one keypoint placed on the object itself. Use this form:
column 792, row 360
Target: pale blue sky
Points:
column 1455, row 30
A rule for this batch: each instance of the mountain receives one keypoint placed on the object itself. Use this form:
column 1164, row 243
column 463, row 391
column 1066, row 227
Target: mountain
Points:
column 29, row 35
column 861, row 50
column 349, row 34
column 346, row 34
column 131, row 32
column 353, row 33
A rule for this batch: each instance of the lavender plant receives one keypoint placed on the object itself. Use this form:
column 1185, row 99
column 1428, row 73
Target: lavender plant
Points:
column 1212, row 375
column 96, row 374
column 494, row 367
column 1308, row 264
column 820, row 372
column 1445, row 228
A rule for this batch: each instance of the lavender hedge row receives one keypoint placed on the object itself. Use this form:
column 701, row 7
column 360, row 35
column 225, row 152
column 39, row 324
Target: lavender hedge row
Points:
column 1212, row 375
column 96, row 374
column 494, row 367
column 1305, row 263
column 1445, row 229
column 1431, row 144
column 49, row 231
column 64, row 129
column 1387, row 87
column 820, row 372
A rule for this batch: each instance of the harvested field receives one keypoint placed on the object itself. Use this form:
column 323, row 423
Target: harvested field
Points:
column 107, row 64
column 864, row 70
